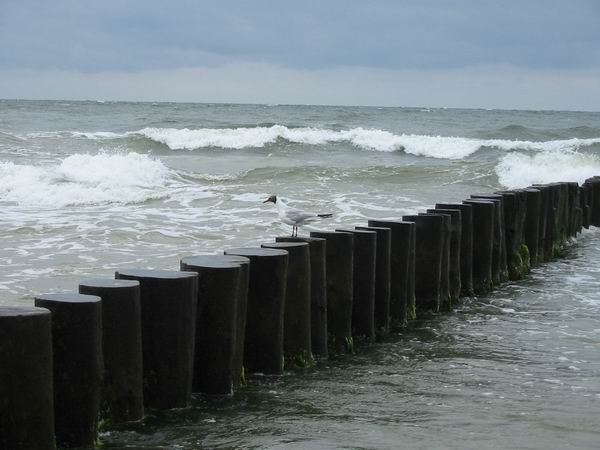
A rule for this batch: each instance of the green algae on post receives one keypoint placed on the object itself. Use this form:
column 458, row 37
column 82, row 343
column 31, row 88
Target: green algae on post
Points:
column 122, row 389
column 363, row 301
column 382, row 279
column 402, row 256
column 263, row 352
column 297, row 318
column 318, row 292
column 340, row 286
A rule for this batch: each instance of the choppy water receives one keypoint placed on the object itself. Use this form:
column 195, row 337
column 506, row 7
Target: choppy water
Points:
column 90, row 187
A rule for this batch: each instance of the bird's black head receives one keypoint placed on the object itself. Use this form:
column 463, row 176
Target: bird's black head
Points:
column 272, row 198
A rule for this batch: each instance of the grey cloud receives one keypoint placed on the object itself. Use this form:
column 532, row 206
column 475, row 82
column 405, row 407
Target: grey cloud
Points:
column 134, row 35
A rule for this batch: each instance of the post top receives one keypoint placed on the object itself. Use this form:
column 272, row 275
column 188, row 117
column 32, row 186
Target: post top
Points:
column 491, row 195
column 67, row 297
column 430, row 217
column 284, row 245
column 109, row 283
column 308, row 239
column 214, row 261
column 451, row 206
column 151, row 273
column 436, row 212
column 376, row 229
column 22, row 311
column 391, row 224
column 355, row 231
column 256, row 252
column 478, row 201
column 449, row 211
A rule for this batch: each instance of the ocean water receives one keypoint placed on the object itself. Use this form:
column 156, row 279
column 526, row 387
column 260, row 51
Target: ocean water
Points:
column 87, row 188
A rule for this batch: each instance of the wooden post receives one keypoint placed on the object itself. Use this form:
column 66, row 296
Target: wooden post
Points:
column 466, row 246
column 78, row 366
column 363, row 298
column 266, row 301
column 296, row 320
column 169, row 308
column 216, row 323
column 382, row 279
column 429, row 231
column 26, row 379
column 318, row 292
column 340, row 288
column 122, row 392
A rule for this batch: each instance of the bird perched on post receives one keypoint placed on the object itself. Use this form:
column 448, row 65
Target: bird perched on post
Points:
column 294, row 216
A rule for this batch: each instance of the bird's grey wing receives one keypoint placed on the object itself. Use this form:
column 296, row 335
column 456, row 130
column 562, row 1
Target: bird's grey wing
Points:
column 299, row 216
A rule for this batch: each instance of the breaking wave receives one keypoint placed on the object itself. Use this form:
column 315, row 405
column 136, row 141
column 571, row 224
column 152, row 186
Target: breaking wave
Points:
column 446, row 147
column 518, row 170
column 83, row 179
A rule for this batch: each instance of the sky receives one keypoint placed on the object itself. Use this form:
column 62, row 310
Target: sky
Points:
column 527, row 54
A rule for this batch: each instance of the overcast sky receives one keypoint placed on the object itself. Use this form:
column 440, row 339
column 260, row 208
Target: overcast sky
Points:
column 538, row 54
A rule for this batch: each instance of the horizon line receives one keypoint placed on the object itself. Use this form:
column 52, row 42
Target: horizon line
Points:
column 325, row 105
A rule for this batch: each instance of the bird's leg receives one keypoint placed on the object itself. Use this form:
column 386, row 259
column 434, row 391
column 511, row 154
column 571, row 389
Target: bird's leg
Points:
column 293, row 228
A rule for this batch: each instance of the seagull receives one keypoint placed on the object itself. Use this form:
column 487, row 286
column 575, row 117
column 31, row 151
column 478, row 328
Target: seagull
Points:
column 294, row 216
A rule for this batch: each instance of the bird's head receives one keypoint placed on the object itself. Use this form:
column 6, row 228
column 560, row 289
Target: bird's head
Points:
column 272, row 199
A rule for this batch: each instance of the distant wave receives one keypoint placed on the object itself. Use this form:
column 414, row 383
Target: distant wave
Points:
column 446, row 147
column 522, row 133
column 518, row 170
column 84, row 180
column 368, row 139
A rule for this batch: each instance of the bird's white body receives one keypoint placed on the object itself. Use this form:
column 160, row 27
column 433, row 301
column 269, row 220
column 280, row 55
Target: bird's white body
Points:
column 293, row 216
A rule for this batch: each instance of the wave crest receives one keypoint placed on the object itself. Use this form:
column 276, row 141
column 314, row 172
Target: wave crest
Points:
column 518, row 170
column 84, row 180
column 447, row 147
column 443, row 147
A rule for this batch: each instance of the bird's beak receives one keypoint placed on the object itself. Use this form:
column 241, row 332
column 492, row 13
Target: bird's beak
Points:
column 267, row 200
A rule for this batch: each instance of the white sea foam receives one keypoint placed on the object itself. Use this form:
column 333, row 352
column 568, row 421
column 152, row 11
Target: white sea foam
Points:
column 368, row 139
column 518, row 170
column 96, row 135
column 256, row 137
column 447, row 147
column 84, row 180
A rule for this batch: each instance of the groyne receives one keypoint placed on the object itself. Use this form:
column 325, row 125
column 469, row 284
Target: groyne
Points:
column 148, row 339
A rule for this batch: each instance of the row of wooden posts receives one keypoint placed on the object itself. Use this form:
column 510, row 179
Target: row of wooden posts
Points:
column 149, row 338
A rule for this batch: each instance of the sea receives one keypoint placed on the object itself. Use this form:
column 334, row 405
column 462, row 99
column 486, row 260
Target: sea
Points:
column 90, row 187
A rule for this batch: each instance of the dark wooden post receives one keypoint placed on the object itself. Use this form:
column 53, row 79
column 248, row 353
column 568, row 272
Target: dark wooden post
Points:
column 78, row 366
column 266, row 302
column 483, row 239
column 169, row 307
column 402, row 269
column 363, row 298
column 122, row 391
column 296, row 320
column 340, row 287
column 454, row 256
column 466, row 245
column 26, row 379
column 216, row 323
column 382, row 279
column 318, row 292
column 429, row 231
